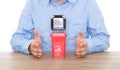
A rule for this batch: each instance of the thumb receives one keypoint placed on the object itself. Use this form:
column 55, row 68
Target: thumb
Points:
column 81, row 35
column 36, row 35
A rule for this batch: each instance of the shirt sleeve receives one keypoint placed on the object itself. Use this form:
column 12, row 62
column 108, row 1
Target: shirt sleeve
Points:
column 23, row 36
column 98, row 40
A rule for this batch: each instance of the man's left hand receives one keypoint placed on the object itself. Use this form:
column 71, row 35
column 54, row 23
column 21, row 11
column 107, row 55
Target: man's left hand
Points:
column 81, row 45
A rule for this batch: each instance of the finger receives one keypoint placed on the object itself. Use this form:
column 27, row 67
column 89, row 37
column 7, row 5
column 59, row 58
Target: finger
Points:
column 37, row 55
column 34, row 54
column 81, row 49
column 78, row 53
column 77, row 50
column 37, row 39
column 37, row 52
column 79, row 38
column 80, row 43
column 81, row 54
column 81, row 35
column 36, row 35
column 85, row 44
column 35, row 44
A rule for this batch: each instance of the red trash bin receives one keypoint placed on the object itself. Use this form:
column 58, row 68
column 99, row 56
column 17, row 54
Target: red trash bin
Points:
column 58, row 45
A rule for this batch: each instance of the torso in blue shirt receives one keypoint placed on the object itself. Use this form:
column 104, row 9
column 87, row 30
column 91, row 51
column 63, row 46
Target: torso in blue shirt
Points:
column 81, row 16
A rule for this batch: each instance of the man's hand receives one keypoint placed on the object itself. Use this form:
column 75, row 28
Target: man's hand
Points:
column 81, row 45
column 35, row 46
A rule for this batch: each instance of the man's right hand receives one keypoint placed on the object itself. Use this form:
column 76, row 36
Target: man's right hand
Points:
column 35, row 46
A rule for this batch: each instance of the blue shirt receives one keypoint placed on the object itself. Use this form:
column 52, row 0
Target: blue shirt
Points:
column 81, row 16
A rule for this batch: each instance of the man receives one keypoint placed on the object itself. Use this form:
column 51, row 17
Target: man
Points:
column 85, row 27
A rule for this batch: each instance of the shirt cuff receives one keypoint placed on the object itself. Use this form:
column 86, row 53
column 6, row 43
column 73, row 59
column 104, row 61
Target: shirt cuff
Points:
column 26, row 46
column 89, row 46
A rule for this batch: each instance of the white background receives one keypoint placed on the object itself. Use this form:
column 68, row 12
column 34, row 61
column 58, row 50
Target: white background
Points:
column 10, row 11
